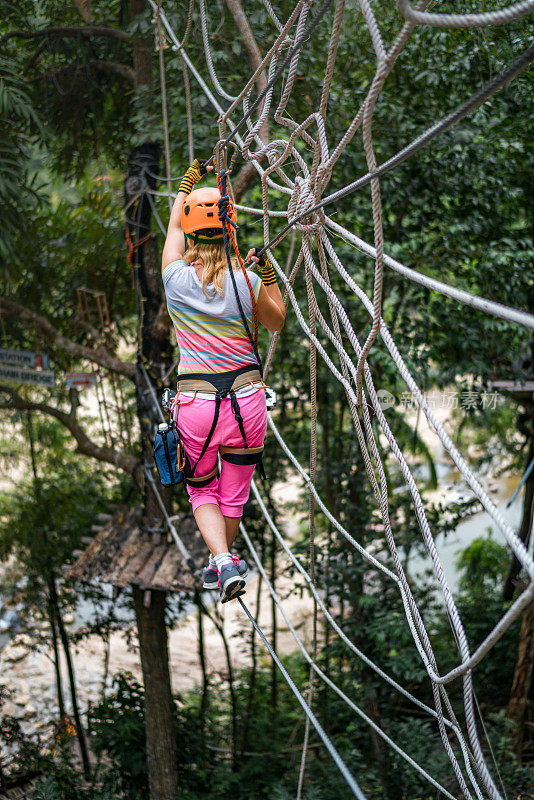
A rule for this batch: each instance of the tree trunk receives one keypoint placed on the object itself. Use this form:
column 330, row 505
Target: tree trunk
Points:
column 203, row 665
column 519, row 696
column 154, row 357
column 391, row 790
column 72, row 681
column 159, row 722
column 155, row 354
column 524, row 529
column 57, row 667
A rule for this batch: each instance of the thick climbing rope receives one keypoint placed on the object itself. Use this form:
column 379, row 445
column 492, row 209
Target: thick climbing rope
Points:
column 293, row 51
column 311, row 520
column 499, row 17
column 336, row 342
column 515, row 69
column 160, row 43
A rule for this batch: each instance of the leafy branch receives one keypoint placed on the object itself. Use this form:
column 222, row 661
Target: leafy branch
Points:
column 86, row 446
column 60, row 31
column 114, row 67
column 98, row 355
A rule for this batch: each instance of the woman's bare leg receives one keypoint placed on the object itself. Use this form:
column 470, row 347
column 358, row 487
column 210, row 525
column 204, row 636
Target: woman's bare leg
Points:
column 232, row 525
column 212, row 526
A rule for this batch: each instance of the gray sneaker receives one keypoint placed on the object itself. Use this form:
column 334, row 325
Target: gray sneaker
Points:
column 231, row 583
column 210, row 574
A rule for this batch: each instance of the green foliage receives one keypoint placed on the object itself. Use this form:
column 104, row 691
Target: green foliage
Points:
column 267, row 769
column 64, row 782
column 482, row 566
column 117, row 729
column 43, row 522
column 19, row 189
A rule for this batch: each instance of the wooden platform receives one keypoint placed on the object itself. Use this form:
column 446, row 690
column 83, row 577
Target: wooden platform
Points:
column 122, row 553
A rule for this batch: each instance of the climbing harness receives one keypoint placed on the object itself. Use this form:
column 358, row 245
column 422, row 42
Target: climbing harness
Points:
column 221, row 385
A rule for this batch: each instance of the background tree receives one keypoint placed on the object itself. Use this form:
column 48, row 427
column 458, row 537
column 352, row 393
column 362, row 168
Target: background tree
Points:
column 461, row 211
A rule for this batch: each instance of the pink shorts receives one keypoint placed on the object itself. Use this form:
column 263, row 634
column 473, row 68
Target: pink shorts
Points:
column 194, row 419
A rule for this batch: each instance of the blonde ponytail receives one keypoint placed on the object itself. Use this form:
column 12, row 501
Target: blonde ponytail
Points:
column 213, row 258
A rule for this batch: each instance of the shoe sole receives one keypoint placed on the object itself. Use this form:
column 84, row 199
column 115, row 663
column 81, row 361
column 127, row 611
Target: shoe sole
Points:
column 233, row 587
column 234, row 596
column 215, row 585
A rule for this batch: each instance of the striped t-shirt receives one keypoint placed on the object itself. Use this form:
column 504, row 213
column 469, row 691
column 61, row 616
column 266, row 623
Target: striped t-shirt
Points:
column 209, row 330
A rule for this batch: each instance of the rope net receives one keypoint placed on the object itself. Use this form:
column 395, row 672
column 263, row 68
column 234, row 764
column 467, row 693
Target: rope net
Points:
column 295, row 170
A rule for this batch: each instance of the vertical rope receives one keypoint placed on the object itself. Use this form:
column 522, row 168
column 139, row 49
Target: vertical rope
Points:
column 187, row 87
column 160, row 39
column 227, row 228
column 276, row 338
column 228, row 233
column 311, row 512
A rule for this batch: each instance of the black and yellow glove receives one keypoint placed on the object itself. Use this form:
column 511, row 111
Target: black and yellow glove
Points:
column 266, row 270
column 193, row 175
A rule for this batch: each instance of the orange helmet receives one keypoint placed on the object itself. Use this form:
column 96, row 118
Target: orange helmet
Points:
column 200, row 215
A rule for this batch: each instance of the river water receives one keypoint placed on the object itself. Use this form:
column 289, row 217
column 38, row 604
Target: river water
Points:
column 480, row 525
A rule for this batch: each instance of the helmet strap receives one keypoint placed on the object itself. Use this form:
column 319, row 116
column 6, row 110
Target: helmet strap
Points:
column 200, row 237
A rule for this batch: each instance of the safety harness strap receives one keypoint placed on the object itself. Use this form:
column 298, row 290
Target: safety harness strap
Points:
column 211, row 382
column 244, row 456
column 237, row 415
column 241, row 455
column 223, row 384
column 209, row 437
column 203, row 480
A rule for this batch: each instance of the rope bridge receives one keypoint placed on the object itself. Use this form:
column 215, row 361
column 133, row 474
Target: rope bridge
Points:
column 316, row 257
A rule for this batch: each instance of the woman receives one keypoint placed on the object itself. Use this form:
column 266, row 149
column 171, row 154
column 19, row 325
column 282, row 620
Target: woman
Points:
column 220, row 407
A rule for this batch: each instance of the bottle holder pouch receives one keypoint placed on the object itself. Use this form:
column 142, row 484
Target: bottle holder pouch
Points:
column 169, row 455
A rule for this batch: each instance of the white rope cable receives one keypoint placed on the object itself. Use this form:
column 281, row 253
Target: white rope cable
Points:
column 357, row 792
column 342, row 635
column 327, row 680
column 207, row 52
column 152, row 392
column 305, row 185
column 499, row 17
column 460, row 295
column 272, row 15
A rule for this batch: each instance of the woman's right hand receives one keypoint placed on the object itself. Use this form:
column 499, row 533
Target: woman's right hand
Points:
column 195, row 172
column 252, row 258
